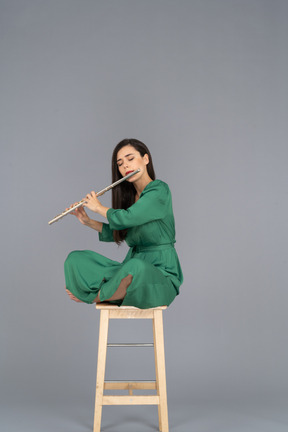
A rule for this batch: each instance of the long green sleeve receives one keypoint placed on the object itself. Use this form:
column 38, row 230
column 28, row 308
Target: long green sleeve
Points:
column 107, row 234
column 152, row 205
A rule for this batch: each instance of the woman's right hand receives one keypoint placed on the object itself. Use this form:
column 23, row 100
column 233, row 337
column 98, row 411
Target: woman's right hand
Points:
column 81, row 214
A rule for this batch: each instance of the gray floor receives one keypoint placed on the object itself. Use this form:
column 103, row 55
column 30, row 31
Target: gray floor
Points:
column 197, row 417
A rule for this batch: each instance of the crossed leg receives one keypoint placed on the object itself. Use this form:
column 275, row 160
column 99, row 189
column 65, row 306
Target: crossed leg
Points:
column 118, row 295
column 120, row 292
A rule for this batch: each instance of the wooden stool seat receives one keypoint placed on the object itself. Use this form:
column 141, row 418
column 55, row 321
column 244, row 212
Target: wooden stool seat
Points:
column 110, row 311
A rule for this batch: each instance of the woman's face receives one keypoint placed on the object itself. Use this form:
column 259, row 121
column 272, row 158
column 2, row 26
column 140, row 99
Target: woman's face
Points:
column 129, row 159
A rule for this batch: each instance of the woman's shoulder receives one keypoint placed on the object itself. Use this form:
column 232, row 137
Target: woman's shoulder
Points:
column 157, row 185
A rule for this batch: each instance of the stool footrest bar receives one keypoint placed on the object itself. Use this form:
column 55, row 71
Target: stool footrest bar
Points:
column 130, row 400
column 130, row 345
column 130, row 385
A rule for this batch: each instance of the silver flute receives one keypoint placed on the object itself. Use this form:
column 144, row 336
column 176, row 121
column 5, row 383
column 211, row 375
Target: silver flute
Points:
column 80, row 203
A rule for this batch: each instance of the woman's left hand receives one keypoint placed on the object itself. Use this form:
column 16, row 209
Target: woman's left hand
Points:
column 92, row 202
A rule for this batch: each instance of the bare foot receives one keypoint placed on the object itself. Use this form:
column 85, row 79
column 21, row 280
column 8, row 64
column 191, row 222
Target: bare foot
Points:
column 72, row 297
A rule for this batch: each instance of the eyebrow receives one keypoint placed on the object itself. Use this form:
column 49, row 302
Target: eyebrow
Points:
column 130, row 154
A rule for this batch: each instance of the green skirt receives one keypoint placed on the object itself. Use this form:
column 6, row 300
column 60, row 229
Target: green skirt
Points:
column 87, row 272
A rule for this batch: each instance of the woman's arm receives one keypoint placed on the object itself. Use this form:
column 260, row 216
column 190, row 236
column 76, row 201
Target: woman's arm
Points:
column 95, row 225
column 153, row 204
column 82, row 216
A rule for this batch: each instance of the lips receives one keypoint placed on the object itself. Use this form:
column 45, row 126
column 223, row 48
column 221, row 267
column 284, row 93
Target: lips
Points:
column 128, row 172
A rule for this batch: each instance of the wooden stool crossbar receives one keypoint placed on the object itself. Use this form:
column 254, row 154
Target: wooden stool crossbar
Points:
column 110, row 311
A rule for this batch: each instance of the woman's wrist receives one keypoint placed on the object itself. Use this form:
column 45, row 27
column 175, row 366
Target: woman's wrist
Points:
column 88, row 222
column 103, row 211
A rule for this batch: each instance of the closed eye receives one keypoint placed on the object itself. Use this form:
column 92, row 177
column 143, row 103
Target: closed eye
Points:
column 120, row 162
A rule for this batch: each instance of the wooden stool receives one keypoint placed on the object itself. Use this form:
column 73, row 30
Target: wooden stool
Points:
column 110, row 311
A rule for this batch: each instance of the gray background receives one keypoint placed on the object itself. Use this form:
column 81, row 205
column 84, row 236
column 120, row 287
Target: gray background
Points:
column 204, row 84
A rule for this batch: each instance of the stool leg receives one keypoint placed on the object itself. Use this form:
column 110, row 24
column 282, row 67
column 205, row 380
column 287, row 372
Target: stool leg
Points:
column 157, row 378
column 102, row 351
column 160, row 370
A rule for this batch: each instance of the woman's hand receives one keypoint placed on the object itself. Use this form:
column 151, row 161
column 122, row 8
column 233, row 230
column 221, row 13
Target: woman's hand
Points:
column 92, row 202
column 81, row 214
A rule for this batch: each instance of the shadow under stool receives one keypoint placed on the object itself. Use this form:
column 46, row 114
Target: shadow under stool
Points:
column 110, row 311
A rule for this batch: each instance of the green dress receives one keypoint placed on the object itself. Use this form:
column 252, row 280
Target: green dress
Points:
column 151, row 260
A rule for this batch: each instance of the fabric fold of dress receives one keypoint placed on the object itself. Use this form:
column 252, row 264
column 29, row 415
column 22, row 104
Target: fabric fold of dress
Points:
column 151, row 260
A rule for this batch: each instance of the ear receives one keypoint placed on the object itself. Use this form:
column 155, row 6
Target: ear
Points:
column 146, row 159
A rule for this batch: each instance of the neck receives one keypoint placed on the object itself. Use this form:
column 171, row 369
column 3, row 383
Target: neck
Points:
column 141, row 184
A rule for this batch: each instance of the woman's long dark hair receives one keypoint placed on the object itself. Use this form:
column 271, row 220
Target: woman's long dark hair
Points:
column 123, row 195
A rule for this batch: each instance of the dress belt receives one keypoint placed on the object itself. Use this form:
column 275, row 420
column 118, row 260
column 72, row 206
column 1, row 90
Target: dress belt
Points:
column 151, row 248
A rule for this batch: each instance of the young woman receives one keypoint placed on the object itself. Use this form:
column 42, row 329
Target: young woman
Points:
column 142, row 215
